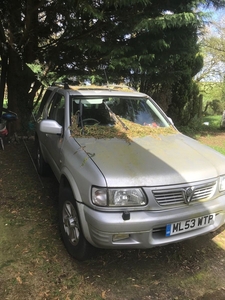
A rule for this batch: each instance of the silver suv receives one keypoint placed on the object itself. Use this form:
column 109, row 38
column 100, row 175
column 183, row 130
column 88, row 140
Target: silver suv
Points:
column 128, row 178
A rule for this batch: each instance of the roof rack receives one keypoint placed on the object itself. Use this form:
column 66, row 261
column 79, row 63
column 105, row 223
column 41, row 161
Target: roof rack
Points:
column 61, row 85
column 117, row 87
column 120, row 87
column 64, row 85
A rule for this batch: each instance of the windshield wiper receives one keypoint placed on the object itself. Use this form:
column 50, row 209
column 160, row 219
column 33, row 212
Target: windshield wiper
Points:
column 114, row 116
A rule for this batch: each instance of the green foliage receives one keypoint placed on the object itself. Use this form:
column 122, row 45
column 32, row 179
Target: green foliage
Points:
column 213, row 102
column 214, row 121
column 210, row 90
column 201, row 126
column 39, row 71
column 219, row 149
column 153, row 45
column 187, row 108
column 193, row 127
column 217, row 107
column 168, row 21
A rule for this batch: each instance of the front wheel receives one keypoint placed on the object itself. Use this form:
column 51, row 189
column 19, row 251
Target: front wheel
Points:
column 70, row 227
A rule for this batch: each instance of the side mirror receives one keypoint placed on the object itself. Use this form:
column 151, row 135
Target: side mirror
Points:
column 50, row 126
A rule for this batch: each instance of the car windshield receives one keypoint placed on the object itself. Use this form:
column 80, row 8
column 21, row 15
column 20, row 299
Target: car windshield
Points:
column 109, row 110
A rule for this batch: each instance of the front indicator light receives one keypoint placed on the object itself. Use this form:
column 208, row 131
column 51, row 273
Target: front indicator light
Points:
column 99, row 196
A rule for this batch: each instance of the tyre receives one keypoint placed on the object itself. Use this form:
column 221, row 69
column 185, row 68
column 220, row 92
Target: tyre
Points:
column 70, row 227
column 42, row 166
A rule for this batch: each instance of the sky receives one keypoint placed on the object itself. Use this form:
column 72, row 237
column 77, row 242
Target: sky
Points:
column 216, row 15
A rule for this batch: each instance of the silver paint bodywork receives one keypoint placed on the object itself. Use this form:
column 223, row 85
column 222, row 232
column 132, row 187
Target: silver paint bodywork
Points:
column 166, row 162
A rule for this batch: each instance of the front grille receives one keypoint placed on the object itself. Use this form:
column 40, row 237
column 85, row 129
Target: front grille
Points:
column 177, row 196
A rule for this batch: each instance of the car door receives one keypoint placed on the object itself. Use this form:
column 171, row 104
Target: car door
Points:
column 53, row 142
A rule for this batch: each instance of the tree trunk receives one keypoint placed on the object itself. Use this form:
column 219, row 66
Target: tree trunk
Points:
column 4, row 58
column 3, row 81
column 20, row 80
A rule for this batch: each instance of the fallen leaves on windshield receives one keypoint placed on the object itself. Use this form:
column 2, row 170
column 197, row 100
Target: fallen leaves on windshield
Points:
column 118, row 131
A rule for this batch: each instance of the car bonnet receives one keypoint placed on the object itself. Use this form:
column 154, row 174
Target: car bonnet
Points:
column 153, row 161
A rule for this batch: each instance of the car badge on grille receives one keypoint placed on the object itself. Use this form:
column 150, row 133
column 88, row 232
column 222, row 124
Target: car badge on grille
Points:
column 188, row 194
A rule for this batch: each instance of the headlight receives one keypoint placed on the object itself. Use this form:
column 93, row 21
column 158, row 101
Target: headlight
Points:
column 118, row 197
column 222, row 183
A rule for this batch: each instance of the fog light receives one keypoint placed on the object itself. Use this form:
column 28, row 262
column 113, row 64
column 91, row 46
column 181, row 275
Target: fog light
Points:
column 120, row 236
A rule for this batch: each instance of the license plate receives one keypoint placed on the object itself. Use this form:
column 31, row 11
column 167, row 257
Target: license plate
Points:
column 191, row 224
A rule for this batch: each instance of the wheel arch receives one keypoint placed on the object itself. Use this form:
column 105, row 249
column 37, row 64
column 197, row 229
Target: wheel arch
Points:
column 66, row 183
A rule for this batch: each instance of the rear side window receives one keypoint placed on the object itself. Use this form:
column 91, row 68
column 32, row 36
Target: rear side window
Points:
column 56, row 108
column 43, row 102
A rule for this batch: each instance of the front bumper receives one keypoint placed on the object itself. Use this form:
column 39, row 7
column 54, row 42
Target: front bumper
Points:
column 146, row 229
